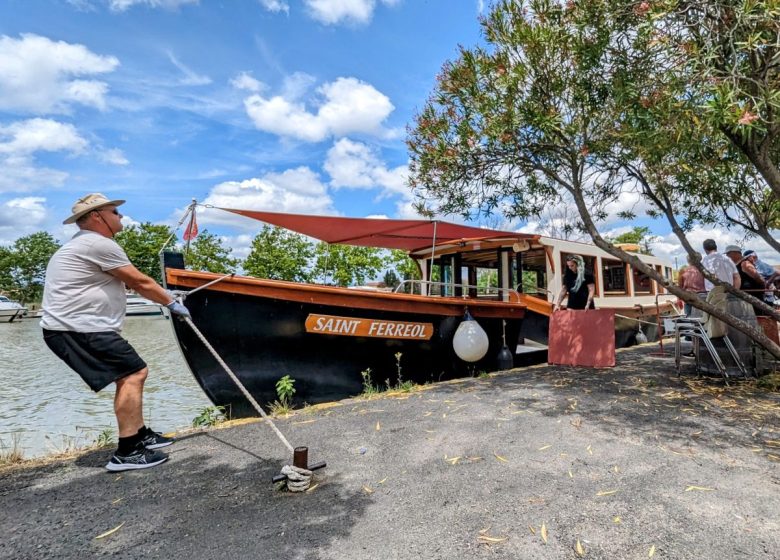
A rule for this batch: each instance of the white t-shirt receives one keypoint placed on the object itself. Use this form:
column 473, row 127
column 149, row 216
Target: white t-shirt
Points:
column 721, row 266
column 79, row 295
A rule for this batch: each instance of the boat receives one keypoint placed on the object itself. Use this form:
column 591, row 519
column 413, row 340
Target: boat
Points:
column 140, row 306
column 11, row 310
column 333, row 340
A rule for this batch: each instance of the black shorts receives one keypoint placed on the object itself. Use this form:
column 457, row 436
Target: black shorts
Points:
column 99, row 358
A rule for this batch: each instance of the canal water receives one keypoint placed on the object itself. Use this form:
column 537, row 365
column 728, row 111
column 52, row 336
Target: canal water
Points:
column 47, row 408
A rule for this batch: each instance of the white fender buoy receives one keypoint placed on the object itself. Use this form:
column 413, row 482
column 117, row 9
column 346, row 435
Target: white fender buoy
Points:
column 641, row 337
column 470, row 341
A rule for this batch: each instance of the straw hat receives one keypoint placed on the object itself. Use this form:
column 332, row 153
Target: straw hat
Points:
column 733, row 249
column 87, row 204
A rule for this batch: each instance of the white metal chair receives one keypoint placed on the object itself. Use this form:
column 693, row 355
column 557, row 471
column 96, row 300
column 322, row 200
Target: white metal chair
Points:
column 693, row 327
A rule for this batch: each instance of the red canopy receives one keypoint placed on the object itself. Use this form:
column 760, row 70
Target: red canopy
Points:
column 374, row 232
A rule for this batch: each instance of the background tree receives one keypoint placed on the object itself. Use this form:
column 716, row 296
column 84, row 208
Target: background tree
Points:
column 538, row 111
column 279, row 254
column 6, row 263
column 206, row 252
column 346, row 265
column 142, row 244
column 391, row 279
column 28, row 258
column 639, row 235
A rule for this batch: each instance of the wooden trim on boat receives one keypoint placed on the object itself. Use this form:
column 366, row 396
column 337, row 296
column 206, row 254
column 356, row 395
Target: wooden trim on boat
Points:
column 344, row 297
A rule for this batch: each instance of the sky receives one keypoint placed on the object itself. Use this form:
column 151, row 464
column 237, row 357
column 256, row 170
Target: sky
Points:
column 281, row 105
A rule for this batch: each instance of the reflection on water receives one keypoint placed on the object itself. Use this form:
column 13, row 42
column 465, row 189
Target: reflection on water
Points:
column 51, row 408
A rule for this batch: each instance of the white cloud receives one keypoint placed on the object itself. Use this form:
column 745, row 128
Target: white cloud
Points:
column 114, row 156
column 122, row 5
column 39, row 75
column 246, row 82
column 355, row 165
column 20, row 217
column 190, row 78
column 331, row 12
column 296, row 190
column 275, row 6
column 346, row 106
column 20, row 141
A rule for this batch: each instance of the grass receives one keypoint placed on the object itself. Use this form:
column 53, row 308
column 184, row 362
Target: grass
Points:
column 11, row 453
column 210, row 416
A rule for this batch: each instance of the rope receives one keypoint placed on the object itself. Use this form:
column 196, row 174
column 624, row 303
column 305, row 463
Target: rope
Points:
column 298, row 480
column 240, row 385
column 645, row 322
column 190, row 208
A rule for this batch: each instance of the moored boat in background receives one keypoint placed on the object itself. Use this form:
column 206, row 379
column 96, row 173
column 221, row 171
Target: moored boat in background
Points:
column 11, row 310
column 140, row 306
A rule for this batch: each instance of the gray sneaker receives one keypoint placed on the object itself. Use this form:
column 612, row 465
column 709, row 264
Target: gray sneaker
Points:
column 155, row 440
column 139, row 458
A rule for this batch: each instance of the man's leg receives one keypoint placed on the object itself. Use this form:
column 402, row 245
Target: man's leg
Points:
column 128, row 403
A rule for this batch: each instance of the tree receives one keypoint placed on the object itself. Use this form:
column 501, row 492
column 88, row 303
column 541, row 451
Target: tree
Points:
column 541, row 110
column 6, row 264
column 207, row 252
column 639, row 235
column 142, row 244
column 346, row 265
column 28, row 258
column 279, row 254
column 731, row 62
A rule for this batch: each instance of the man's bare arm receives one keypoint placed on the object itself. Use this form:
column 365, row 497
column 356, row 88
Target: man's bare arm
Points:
column 141, row 283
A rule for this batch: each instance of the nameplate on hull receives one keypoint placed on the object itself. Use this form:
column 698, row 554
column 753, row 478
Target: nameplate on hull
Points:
column 372, row 328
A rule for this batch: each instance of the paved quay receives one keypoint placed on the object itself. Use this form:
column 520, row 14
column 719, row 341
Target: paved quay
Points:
column 540, row 463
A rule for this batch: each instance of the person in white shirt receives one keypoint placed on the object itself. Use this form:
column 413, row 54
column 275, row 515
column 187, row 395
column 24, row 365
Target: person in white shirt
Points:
column 84, row 306
column 719, row 265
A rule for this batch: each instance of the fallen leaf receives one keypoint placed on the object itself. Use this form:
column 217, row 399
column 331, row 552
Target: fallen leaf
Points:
column 491, row 540
column 544, row 533
column 367, row 490
column 111, row 532
column 533, row 531
column 453, row 460
column 617, row 520
column 382, row 481
column 698, row 488
column 427, row 413
column 116, row 501
column 651, row 552
column 570, row 474
column 579, row 549
column 548, row 446
column 311, row 488
column 305, row 422
column 590, row 450
column 616, row 469
column 500, row 458
column 606, row 492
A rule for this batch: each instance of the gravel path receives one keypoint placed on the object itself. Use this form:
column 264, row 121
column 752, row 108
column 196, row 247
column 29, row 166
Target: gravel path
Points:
column 540, row 463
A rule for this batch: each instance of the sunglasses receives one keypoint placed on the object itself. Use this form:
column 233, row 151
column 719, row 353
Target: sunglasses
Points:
column 114, row 211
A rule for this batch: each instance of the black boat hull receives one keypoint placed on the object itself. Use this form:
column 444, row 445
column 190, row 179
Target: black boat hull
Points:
column 264, row 338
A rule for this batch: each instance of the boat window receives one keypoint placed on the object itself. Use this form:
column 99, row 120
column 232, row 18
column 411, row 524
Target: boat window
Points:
column 642, row 282
column 534, row 272
column 487, row 282
column 614, row 274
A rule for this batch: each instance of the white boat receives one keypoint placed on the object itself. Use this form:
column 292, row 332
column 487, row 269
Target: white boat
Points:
column 10, row 310
column 140, row 306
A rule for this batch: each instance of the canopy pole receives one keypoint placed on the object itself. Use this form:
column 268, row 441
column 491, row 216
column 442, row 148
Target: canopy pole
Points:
column 433, row 253
column 190, row 208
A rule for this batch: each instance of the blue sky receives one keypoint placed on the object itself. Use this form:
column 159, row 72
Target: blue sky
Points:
column 285, row 105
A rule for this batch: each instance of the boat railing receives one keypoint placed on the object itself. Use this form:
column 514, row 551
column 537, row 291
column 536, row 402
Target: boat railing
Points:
column 448, row 289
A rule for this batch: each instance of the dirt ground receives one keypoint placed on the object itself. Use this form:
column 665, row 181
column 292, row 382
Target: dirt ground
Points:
column 539, row 463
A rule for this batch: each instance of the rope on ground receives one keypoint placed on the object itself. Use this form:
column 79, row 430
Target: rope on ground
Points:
column 298, row 480
column 238, row 383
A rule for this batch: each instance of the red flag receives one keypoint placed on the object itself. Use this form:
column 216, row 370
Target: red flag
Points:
column 192, row 228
